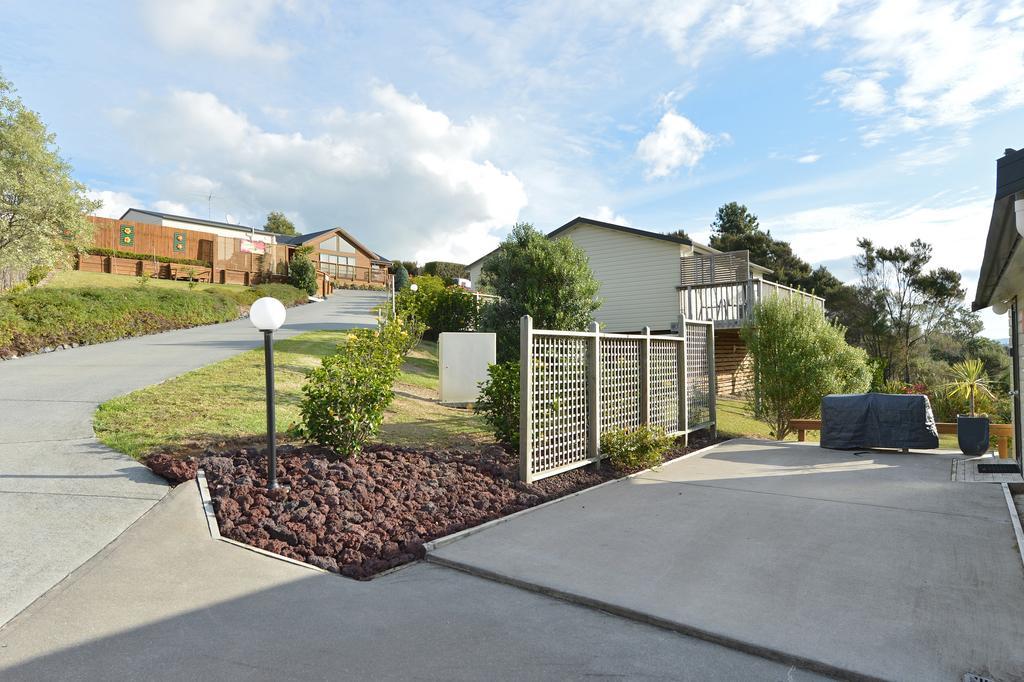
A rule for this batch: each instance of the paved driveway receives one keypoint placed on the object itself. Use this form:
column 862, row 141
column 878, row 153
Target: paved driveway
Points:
column 874, row 565
column 63, row 495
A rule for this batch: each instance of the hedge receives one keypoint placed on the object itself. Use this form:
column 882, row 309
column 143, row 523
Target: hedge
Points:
column 49, row 317
column 102, row 251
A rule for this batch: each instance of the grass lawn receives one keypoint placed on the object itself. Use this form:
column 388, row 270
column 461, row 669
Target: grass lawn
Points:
column 74, row 279
column 225, row 400
column 735, row 420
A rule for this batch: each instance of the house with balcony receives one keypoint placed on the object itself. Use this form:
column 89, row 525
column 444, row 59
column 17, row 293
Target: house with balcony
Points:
column 649, row 279
column 342, row 257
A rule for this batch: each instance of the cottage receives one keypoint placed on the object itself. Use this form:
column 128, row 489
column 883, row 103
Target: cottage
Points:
column 1001, row 279
column 654, row 280
column 341, row 256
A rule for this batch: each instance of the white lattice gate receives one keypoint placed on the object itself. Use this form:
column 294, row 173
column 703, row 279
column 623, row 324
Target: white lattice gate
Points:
column 576, row 386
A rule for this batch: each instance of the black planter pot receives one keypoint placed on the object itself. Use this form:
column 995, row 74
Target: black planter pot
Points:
column 972, row 435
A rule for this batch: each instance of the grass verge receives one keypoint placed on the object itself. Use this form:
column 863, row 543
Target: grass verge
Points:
column 224, row 401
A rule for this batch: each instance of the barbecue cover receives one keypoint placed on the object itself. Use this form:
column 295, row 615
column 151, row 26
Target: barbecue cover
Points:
column 877, row 420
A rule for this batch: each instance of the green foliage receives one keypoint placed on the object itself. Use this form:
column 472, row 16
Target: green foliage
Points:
column 412, row 267
column 549, row 279
column 799, row 357
column 401, row 277
column 36, row 274
column 399, row 334
column 969, row 382
column 278, row 223
column 301, row 273
column 499, row 402
column 345, row 398
column 682, row 234
column 442, row 308
column 101, row 251
column 42, row 209
column 48, row 316
column 445, row 270
column 634, row 449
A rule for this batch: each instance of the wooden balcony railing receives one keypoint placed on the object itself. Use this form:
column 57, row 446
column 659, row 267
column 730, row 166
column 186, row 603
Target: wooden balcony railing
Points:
column 730, row 305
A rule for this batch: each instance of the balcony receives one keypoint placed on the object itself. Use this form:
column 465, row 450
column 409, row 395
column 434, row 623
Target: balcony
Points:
column 730, row 304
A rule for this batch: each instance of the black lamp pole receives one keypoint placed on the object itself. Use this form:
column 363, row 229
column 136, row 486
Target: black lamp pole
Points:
column 268, row 357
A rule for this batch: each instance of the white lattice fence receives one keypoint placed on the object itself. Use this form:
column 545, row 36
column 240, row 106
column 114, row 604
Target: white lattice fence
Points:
column 576, row 386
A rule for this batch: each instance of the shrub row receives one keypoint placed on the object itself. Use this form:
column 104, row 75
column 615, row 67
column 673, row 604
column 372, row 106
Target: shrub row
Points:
column 101, row 251
column 48, row 317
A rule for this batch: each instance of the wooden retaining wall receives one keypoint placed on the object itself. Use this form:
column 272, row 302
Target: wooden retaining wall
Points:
column 734, row 368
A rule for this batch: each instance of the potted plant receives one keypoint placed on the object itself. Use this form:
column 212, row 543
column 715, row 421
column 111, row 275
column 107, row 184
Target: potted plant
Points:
column 970, row 381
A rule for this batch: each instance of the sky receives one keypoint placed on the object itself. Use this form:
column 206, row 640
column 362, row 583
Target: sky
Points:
column 429, row 129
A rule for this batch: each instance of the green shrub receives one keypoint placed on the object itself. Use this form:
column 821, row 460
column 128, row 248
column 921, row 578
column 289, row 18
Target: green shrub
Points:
column 401, row 277
column 442, row 308
column 499, row 402
column 102, row 251
column 799, row 357
column 549, row 279
column 36, row 274
column 345, row 398
column 50, row 316
column 286, row 293
column 634, row 449
column 302, row 274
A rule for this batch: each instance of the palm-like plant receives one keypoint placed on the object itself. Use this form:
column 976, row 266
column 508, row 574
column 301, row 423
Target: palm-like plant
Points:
column 969, row 380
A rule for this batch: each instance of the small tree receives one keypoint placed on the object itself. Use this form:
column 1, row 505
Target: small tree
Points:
column 301, row 273
column 401, row 277
column 969, row 382
column 445, row 270
column 548, row 279
column 799, row 357
column 278, row 223
column 42, row 209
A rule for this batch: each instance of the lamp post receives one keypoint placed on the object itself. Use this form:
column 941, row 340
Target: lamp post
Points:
column 267, row 314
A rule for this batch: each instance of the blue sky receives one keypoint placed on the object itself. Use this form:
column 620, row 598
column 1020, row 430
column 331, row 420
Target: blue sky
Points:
column 428, row 129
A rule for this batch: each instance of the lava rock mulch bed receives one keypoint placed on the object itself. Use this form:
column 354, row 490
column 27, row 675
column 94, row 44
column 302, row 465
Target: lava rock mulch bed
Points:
column 364, row 516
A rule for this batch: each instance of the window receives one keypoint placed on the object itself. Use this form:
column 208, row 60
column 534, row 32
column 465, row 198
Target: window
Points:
column 338, row 266
column 337, row 244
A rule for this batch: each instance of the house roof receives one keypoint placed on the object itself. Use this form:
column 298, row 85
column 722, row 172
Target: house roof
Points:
column 197, row 221
column 299, row 239
column 1003, row 238
column 628, row 230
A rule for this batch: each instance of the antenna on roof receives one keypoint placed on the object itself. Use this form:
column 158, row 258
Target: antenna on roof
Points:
column 209, row 206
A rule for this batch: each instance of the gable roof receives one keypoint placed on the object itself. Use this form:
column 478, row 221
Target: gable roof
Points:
column 627, row 230
column 197, row 221
column 1002, row 238
column 300, row 239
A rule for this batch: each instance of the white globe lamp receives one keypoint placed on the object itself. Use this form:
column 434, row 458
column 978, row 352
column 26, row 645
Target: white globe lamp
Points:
column 267, row 314
column 1000, row 307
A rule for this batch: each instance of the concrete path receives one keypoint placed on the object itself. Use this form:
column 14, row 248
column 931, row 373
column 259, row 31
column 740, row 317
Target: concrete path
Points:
column 876, row 564
column 167, row 602
column 63, row 495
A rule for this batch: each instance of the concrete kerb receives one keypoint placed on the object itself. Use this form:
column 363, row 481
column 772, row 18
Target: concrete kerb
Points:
column 1018, row 532
column 447, row 539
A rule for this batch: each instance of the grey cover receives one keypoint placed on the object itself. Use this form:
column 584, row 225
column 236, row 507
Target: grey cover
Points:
column 877, row 420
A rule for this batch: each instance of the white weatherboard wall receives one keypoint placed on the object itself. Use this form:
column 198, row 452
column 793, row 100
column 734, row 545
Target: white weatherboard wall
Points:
column 638, row 277
column 463, row 359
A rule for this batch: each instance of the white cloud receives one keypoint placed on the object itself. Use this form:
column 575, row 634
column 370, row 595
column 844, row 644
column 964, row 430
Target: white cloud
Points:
column 225, row 28
column 674, row 143
column 403, row 177
column 947, row 63
column 692, row 29
column 607, row 215
column 114, row 203
column 808, row 158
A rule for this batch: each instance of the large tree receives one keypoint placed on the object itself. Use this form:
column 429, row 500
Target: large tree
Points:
column 904, row 302
column 42, row 209
column 278, row 223
column 548, row 279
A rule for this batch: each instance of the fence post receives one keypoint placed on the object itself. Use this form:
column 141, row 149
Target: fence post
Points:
column 712, row 382
column 594, row 393
column 684, row 415
column 525, row 399
column 645, row 376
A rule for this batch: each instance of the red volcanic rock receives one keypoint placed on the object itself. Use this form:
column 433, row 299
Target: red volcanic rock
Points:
column 174, row 470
